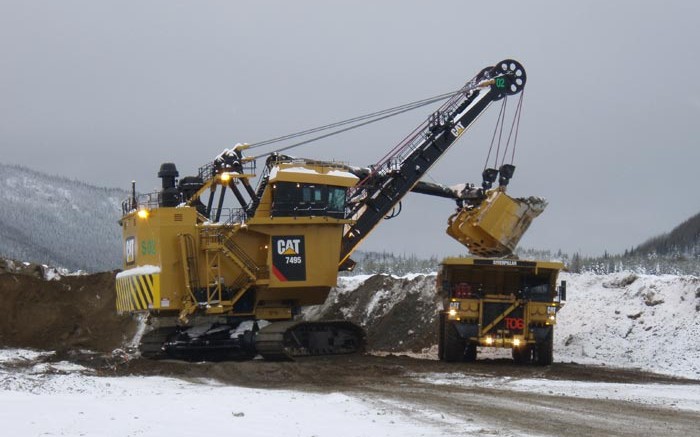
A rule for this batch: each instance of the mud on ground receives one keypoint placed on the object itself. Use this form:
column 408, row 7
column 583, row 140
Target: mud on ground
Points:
column 405, row 384
column 350, row 372
column 73, row 313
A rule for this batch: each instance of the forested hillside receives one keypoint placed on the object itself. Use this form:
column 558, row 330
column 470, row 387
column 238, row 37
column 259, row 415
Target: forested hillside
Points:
column 677, row 252
column 58, row 221
column 684, row 239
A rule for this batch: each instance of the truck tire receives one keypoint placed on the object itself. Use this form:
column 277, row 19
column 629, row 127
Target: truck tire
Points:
column 470, row 353
column 452, row 344
column 545, row 351
column 522, row 355
column 441, row 337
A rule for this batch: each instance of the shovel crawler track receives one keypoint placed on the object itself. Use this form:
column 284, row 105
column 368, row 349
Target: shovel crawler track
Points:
column 286, row 340
column 280, row 341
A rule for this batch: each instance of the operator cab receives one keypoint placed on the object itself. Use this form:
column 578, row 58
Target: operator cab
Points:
column 290, row 199
column 300, row 189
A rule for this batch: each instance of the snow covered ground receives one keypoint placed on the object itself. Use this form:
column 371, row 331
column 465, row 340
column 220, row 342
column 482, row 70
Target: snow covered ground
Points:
column 675, row 396
column 65, row 399
column 62, row 398
column 632, row 321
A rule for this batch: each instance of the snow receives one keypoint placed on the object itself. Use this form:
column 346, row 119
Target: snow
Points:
column 412, row 276
column 248, row 325
column 275, row 170
column 56, row 273
column 628, row 320
column 141, row 324
column 74, row 402
column 46, row 272
column 51, row 274
column 620, row 320
column 304, row 170
column 381, row 300
column 344, row 174
column 137, row 271
column 349, row 283
column 674, row 396
column 18, row 355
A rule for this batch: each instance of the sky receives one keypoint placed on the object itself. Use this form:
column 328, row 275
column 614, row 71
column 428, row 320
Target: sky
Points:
column 104, row 92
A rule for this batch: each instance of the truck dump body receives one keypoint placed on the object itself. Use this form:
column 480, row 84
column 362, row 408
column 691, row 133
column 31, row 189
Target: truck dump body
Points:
column 499, row 303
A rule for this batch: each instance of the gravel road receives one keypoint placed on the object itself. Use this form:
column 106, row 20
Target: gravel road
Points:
column 614, row 402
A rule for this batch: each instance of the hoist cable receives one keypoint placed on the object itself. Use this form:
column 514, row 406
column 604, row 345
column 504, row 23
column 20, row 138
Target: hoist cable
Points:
column 513, row 127
column 389, row 111
column 500, row 133
column 339, row 131
column 517, row 126
column 501, row 115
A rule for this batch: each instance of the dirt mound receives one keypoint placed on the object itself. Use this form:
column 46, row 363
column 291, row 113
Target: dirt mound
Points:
column 73, row 312
column 70, row 313
column 398, row 314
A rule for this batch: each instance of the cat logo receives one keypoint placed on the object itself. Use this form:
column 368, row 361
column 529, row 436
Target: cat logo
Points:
column 289, row 247
column 288, row 258
column 130, row 250
column 457, row 129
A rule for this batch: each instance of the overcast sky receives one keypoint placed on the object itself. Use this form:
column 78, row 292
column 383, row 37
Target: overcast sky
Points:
column 104, row 91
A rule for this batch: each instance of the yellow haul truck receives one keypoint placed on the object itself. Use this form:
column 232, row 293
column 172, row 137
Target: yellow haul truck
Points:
column 227, row 280
column 499, row 303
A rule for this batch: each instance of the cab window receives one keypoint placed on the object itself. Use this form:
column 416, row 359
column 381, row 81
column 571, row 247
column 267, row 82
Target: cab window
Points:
column 290, row 199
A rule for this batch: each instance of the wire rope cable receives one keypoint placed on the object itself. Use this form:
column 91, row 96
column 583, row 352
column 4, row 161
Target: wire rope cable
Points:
column 499, row 122
column 354, row 123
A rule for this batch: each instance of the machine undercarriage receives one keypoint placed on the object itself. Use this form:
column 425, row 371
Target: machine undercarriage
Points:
column 244, row 340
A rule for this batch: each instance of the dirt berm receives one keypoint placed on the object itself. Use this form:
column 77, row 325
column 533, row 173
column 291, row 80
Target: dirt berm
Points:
column 73, row 313
column 398, row 314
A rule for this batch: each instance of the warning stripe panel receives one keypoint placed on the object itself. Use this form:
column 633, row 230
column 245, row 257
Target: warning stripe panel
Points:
column 138, row 293
column 145, row 285
column 121, row 304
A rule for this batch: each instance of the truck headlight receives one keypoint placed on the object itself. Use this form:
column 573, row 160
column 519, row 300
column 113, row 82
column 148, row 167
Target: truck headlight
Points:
column 516, row 342
column 454, row 306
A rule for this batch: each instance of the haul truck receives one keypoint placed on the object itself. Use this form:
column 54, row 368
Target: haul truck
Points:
column 499, row 303
column 223, row 281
